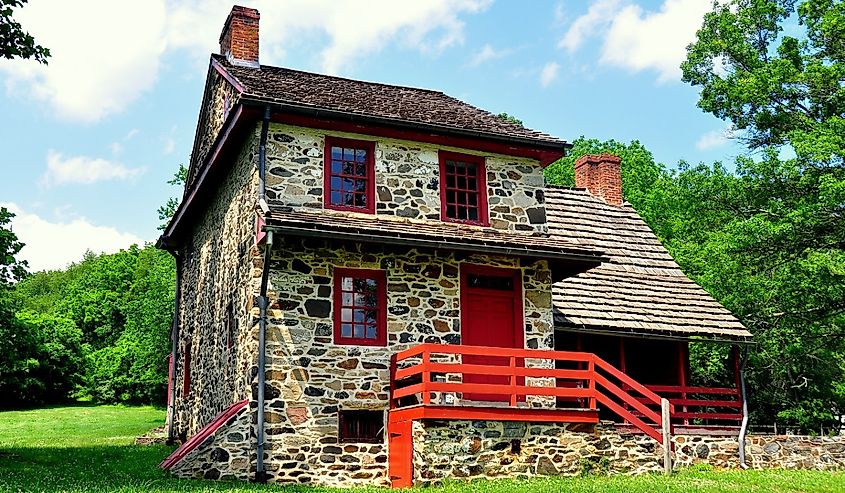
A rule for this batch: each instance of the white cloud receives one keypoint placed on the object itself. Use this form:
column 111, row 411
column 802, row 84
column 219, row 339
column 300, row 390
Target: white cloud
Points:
column 53, row 245
column 549, row 73
column 638, row 40
column 585, row 26
column 106, row 53
column 714, row 139
column 83, row 170
column 485, row 54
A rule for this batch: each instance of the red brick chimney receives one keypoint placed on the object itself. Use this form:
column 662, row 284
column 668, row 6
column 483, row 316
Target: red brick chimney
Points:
column 239, row 39
column 601, row 174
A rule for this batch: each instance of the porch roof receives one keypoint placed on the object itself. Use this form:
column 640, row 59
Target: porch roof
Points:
column 640, row 289
column 415, row 233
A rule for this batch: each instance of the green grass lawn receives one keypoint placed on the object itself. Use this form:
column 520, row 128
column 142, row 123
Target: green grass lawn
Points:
column 88, row 448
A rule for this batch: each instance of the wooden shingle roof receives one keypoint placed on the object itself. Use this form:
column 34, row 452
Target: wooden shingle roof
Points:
column 398, row 104
column 640, row 290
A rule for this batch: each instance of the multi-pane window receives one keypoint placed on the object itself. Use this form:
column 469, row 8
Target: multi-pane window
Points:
column 360, row 314
column 463, row 188
column 349, row 175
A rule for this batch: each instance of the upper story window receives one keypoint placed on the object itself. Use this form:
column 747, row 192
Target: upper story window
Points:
column 463, row 188
column 350, row 175
column 360, row 307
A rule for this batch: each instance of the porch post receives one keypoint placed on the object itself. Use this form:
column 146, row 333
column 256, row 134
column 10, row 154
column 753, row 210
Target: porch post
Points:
column 667, row 435
column 683, row 355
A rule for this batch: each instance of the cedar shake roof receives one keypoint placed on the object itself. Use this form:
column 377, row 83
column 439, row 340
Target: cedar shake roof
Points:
column 640, row 289
column 452, row 236
column 370, row 99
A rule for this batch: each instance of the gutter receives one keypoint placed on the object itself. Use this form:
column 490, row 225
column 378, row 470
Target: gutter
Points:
column 643, row 335
column 263, row 302
column 743, row 429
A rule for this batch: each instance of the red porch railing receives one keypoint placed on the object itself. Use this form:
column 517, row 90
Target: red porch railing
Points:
column 703, row 405
column 418, row 372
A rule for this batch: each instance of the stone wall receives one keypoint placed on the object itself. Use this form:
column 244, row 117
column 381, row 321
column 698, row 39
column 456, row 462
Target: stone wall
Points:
column 217, row 287
column 309, row 378
column 227, row 454
column 407, row 178
column 496, row 449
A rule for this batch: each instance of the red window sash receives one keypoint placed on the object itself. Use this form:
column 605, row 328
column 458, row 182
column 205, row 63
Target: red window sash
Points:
column 481, row 179
column 370, row 147
column 381, row 292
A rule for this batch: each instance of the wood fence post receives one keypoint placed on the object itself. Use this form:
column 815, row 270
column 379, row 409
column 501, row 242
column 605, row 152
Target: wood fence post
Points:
column 667, row 435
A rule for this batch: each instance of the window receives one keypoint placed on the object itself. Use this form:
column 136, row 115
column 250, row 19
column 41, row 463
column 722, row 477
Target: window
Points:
column 360, row 426
column 463, row 188
column 360, row 315
column 186, row 374
column 350, row 175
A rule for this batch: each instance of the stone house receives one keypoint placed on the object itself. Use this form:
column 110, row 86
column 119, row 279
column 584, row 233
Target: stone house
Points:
column 375, row 286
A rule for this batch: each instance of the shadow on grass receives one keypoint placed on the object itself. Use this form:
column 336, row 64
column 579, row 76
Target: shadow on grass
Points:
column 104, row 468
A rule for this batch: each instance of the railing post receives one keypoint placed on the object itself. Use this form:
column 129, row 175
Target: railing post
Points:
column 667, row 435
column 392, row 379
column 513, row 381
column 591, row 367
column 426, row 377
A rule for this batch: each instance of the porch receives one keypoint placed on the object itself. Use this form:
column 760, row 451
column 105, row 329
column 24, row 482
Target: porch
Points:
column 457, row 382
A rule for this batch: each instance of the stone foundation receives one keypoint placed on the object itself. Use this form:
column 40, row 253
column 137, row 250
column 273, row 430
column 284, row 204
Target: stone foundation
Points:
column 228, row 454
column 496, row 449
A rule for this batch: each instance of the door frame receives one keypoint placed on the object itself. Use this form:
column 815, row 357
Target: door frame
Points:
column 465, row 290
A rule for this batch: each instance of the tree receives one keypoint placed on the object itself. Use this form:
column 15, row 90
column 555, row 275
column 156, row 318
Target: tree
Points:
column 14, row 41
column 165, row 212
column 510, row 118
column 780, row 262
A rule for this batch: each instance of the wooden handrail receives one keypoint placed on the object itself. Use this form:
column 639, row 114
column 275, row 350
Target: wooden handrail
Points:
column 591, row 385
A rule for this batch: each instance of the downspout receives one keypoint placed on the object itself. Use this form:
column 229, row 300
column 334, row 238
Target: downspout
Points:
column 174, row 340
column 262, row 161
column 743, row 430
column 263, row 302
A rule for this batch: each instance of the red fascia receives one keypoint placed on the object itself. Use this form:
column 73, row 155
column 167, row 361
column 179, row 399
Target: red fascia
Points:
column 545, row 156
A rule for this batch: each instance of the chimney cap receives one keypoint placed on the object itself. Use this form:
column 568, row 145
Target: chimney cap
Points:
column 240, row 12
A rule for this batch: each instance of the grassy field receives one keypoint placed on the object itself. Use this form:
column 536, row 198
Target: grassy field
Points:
column 89, row 449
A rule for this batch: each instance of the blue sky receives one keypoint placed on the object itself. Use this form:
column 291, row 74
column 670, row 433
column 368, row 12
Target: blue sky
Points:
column 90, row 140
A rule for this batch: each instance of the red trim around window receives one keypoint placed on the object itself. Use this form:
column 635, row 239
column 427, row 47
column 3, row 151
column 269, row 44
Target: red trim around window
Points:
column 480, row 193
column 380, row 339
column 369, row 192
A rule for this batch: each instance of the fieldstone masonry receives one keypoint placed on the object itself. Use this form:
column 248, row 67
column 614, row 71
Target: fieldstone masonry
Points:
column 227, row 454
column 497, row 449
column 407, row 179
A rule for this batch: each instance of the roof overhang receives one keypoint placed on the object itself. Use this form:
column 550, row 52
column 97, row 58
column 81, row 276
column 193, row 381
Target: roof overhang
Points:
column 661, row 335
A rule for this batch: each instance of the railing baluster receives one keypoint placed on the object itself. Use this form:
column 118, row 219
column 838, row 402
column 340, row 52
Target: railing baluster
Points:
column 426, row 376
column 512, row 363
column 591, row 367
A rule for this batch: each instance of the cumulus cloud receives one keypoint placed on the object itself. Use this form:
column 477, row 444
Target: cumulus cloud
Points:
column 104, row 54
column 107, row 53
column 714, row 139
column 548, row 73
column 83, row 170
column 636, row 39
column 53, row 245
column 486, row 54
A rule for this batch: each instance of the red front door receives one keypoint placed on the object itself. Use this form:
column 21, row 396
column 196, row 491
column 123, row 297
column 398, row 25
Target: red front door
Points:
column 491, row 315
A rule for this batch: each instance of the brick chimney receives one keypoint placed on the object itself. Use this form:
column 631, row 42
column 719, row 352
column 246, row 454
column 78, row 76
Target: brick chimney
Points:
column 239, row 39
column 601, row 174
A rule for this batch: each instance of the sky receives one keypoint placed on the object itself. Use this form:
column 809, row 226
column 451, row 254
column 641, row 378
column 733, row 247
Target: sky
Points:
column 88, row 142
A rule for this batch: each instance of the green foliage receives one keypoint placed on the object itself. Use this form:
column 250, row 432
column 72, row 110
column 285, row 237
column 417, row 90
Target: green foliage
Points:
column 166, row 212
column 510, row 118
column 122, row 305
column 14, row 41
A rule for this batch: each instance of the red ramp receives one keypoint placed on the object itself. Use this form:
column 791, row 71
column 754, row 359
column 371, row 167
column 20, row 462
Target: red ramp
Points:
column 196, row 440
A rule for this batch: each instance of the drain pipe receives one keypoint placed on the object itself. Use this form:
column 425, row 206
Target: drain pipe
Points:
column 743, row 430
column 262, row 161
column 263, row 302
column 174, row 341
